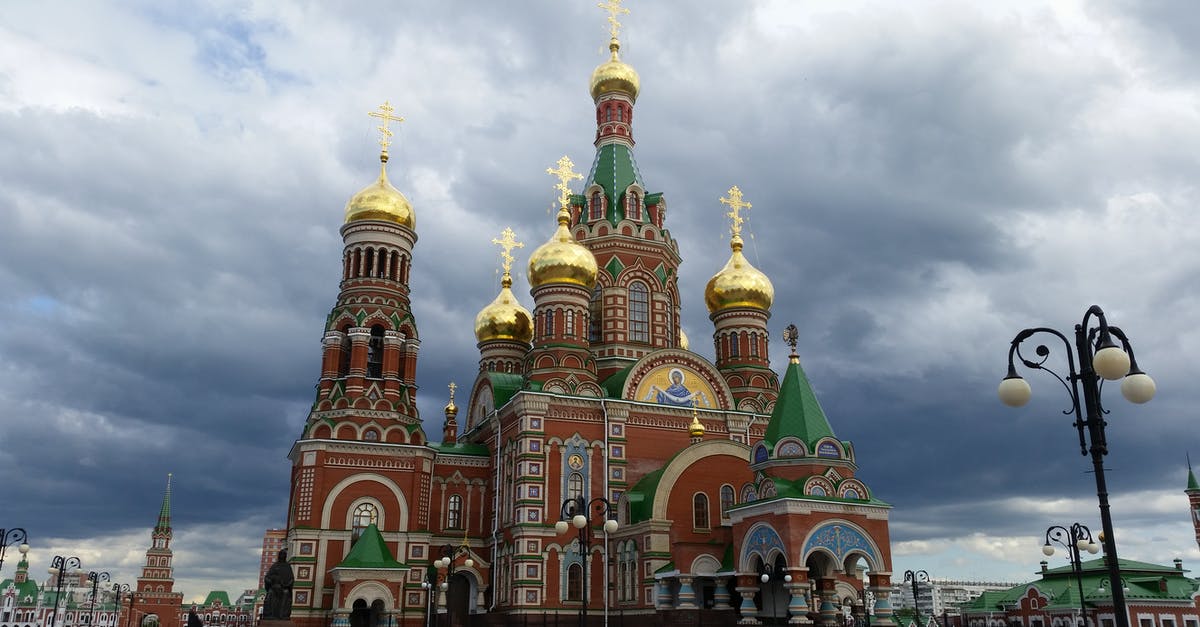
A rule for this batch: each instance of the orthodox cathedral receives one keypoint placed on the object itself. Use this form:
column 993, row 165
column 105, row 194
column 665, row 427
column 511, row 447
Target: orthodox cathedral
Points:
column 599, row 467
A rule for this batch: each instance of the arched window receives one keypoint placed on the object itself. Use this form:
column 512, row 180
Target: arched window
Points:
column 595, row 306
column 754, row 345
column 639, row 312
column 575, row 582
column 344, row 356
column 608, row 113
column 548, row 326
column 620, row 114
column 365, row 514
column 569, row 325
column 375, row 353
column 726, row 499
column 597, row 207
column 700, row 511
column 575, row 485
column 634, row 209
column 454, row 512
column 371, row 435
column 733, row 345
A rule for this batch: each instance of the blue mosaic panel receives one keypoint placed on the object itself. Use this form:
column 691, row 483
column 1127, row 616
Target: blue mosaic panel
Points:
column 840, row 540
column 762, row 540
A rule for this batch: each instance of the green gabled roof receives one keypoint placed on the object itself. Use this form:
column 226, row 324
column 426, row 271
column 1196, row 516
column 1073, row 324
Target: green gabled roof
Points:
column 727, row 563
column 615, row 384
column 217, row 595
column 1129, row 568
column 653, row 199
column 370, row 551
column 504, row 386
column 797, row 412
column 666, row 568
column 641, row 496
column 29, row 588
column 461, row 448
column 614, row 169
column 987, row 600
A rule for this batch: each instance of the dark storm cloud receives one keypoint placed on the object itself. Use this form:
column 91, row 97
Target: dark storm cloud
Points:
column 925, row 183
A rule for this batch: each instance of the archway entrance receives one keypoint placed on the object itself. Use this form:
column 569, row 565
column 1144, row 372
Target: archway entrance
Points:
column 363, row 615
column 458, row 600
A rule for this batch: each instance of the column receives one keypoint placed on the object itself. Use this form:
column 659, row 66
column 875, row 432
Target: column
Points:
column 881, row 587
column 687, row 594
column 748, row 587
column 721, row 594
column 797, row 606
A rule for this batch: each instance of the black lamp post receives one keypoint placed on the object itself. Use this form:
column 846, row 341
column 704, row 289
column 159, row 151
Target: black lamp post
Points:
column 95, row 578
column 766, row 577
column 446, row 563
column 1074, row 539
column 576, row 512
column 1099, row 357
column 916, row 576
column 12, row 536
column 120, row 589
column 59, row 567
column 431, row 586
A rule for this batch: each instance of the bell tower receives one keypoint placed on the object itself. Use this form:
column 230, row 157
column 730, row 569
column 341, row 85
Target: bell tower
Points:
column 155, row 585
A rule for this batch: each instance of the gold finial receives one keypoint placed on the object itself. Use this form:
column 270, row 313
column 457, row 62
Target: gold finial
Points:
column 507, row 242
column 385, row 133
column 790, row 336
column 565, row 173
column 614, row 9
column 735, row 207
column 453, row 386
column 696, row 429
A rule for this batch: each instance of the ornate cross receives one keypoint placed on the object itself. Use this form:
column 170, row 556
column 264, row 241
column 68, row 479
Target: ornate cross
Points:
column 385, row 114
column 614, row 9
column 507, row 242
column 452, row 387
column 564, row 173
column 735, row 206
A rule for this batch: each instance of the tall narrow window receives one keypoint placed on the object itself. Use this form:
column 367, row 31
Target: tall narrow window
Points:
column 726, row 499
column 364, row 515
column 548, row 326
column 575, row 486
column 700, row 511
column 608, row 113
column 454, row 512
column 639, row 312
column 569, row 325
column 595, row 306
column 754, row 345
column 635, row 206
column 375, row 353
column 620, row 114
column 733, row 344
column 597, row 207
column 344, row 353
column 575, row 582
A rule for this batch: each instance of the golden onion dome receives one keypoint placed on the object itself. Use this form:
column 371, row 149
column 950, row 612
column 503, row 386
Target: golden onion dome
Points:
column 451, row 409
column 504, row 318
column 562, row 259
column 696, row 430
column 683, row 340
column 615, row 75
column 738, row 284
column 381, row 201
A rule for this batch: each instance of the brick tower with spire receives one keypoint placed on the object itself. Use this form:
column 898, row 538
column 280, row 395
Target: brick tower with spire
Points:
column 155, row 586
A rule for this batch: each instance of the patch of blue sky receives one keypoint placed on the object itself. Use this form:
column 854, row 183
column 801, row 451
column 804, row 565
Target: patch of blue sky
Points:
column 42, row 305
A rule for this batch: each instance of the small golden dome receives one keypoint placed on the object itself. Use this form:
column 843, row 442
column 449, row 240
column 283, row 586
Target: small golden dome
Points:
column 562, row 259
column 738, row 284
column 451, row 409
column 615, row 75
column 696, row 430
column 380, row 201
column 504, row 318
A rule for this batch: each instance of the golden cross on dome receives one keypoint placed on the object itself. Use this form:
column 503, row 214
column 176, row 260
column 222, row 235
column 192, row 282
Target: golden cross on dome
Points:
column 564, row 173
column 507, row 242
column 614, row 9
column 735, row 207
column 452, row 387
column 385, row 133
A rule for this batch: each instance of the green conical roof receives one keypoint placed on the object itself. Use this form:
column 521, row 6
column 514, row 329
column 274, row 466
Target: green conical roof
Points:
column 370, row 551
column 164, row 513
column 1192, row 484
column 797, row 412
column 615, row 170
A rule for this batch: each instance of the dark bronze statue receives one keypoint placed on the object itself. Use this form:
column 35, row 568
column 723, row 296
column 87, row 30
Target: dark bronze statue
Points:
column 278, row 583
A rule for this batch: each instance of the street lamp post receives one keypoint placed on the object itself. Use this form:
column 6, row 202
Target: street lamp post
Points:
column 916, row 576
column 766, row 577
column 95, row 578
column 576, row 512
column 120, row 589
column 1074, row 539
column 450, row 553
column 430, row 586
column 59, row 567
column 1099, row 357
column 8, row 537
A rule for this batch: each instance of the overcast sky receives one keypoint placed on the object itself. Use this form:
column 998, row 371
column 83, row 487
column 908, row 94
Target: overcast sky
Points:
column 928, row 178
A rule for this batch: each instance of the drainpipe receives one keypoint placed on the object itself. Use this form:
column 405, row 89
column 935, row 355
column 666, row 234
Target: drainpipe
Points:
column 495, row 511
column 604, row 413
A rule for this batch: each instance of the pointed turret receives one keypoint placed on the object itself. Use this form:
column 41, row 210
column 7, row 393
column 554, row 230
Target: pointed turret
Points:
column 162, row 529
column 797, row 413
column 1193, row 494
column 450, row 426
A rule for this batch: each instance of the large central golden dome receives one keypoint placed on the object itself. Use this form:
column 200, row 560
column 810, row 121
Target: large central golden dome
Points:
column 504, row 318
column 738, row 284
column 615, row 75
column 562, row 259
column 381, row 201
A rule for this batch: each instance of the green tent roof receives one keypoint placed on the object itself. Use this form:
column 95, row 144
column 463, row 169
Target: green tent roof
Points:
column 370, row 551
column 797, row 412
column 614, row 169
column 1192, row 484
column 215, row 596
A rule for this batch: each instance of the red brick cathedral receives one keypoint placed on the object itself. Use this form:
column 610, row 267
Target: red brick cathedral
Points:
column 688, row 485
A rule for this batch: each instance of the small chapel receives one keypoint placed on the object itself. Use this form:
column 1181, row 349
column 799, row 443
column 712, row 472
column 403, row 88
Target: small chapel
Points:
column 599, row 472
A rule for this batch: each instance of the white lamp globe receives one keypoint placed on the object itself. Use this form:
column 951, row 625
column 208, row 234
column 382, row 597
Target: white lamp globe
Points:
column 1093, row 548
column 1081, row 544
column 444, row 586
column 765, row 578
column 1138, row 388
column 560, row 526
column 787, row 579
column 52, row 570
column 24, row 548
column 470, row 563
column 610, row 526
column 425, row 585
column 1047, row 550
column 1014, row 391
column 580, row 521
column 1111, row 362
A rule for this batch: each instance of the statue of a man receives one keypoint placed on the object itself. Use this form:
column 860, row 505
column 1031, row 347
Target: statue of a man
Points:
column 278, row 583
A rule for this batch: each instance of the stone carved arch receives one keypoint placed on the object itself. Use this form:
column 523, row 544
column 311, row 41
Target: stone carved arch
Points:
column 691, row 455
column 761, row 541
column 336, row 491
column 841, row 538
column 370, row 591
